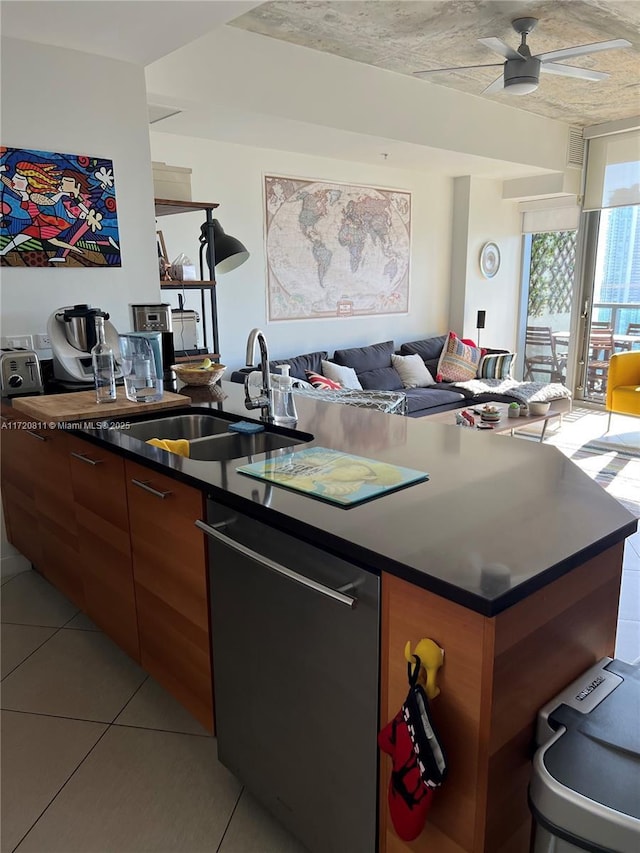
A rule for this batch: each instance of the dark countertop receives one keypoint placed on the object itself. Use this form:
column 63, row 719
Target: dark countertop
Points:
column 497, row 519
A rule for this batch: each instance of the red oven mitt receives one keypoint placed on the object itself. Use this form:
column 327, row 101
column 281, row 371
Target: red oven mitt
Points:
column 409, row 797
column 419, row 762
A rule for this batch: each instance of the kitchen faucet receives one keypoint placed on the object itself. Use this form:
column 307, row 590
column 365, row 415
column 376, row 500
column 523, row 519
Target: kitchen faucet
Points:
column 265, row 400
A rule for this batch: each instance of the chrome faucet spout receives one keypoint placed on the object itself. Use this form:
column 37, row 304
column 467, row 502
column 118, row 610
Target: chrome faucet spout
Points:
column 264, row 401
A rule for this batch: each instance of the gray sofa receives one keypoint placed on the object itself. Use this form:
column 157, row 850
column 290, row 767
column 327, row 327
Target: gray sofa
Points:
column 375, row 371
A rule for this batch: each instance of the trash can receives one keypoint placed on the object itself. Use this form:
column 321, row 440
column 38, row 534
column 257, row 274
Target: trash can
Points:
column 585, row 787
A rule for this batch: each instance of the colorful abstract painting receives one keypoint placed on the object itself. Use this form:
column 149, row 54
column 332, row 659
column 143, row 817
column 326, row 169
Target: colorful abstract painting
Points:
column 335, row 250
column 57, row 210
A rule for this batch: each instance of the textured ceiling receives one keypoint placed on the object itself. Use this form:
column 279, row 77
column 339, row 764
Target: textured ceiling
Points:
column 404, row 37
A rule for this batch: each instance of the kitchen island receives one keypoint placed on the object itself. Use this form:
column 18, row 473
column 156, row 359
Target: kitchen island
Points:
column 508, row 556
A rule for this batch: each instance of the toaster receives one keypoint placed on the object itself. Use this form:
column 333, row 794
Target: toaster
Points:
column 19, row 372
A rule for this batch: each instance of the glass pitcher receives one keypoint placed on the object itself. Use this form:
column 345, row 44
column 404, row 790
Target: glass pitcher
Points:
column 141, row 381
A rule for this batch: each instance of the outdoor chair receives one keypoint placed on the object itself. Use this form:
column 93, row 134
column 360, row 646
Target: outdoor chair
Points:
column 541, row 355
column 601, row 348
column 634, row 329
column 623, row 388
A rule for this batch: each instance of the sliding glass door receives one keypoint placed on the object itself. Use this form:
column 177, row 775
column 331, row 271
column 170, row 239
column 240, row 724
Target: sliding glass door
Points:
column 548, row 288
column 611, row 296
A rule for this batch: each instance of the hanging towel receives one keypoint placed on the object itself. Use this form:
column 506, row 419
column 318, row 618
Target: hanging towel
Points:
column 179, row 445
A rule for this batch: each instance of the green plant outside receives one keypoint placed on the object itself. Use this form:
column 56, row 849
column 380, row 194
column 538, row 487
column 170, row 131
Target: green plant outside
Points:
column 553, row 258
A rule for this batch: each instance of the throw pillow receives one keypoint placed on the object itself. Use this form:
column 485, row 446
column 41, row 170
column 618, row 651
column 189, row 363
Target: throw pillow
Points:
column 321, row 383
column 346, row 376
column 381, row 379
column 458, row 362
column 365, row 358
column 299, row 364
column 496, row 366
column 412, row 370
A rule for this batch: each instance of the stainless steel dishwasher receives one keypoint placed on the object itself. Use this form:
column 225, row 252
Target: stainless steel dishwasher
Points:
column 295, row 635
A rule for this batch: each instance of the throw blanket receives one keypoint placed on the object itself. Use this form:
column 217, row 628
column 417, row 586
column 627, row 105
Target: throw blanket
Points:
column 392, row 402
column 525, row 392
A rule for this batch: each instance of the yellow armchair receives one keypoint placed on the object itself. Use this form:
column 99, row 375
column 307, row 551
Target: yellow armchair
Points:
column 623, row 386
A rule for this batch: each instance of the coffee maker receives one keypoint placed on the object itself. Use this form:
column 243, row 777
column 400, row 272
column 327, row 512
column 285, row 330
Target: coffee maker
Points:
column 156, row 317
column 72, row 333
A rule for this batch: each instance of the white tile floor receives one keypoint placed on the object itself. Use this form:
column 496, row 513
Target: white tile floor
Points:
column 97, row 757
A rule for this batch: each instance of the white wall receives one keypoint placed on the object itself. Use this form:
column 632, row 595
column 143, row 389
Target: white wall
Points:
column 63, row 100
column 482, row 215
column 232, row 175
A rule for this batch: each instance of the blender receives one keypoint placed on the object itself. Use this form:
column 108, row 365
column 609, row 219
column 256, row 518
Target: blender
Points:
column 72, row 334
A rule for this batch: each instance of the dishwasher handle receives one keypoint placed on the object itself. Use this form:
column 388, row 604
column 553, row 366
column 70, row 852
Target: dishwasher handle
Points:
column 279, row 569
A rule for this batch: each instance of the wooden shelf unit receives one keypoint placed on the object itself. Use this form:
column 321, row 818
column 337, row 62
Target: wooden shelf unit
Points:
column 170, row 207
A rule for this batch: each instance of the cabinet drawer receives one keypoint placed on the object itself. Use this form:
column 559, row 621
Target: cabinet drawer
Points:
column 18, row 456
column 100, row 493
column 177, row 654
column 168, row 549
column 159, row 503
column 98, row 483
column 22, row 522
column 53, row 493
column 171, row 587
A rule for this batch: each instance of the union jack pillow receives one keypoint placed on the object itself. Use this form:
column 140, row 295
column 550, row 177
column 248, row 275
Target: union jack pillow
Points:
column 321, row 383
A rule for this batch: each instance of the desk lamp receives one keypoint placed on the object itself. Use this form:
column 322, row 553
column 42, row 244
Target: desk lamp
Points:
column 224, row 253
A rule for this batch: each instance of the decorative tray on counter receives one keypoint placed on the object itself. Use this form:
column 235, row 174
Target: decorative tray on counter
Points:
column 333, row 475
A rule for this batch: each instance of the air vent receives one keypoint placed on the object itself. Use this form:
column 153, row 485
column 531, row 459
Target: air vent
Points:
column 575, row 149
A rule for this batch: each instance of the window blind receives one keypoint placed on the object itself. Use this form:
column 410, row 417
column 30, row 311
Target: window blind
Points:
column 613, row 171
column 559, row 213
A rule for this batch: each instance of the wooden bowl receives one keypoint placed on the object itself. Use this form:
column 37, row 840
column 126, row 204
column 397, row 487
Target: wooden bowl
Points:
column 192, row 374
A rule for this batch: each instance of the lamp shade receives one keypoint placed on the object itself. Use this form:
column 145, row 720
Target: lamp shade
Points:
column 229, row 252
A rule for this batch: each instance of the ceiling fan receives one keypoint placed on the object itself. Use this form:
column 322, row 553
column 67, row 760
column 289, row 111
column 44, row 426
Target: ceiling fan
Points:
column 521, row 73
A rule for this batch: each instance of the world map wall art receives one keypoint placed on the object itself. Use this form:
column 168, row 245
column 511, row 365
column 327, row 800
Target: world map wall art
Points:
column 335, row 250
column 57, row 210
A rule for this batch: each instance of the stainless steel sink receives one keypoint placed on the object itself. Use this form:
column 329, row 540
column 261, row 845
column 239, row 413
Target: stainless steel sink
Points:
column 209, row 437
column 217, row 448
column 178, row 426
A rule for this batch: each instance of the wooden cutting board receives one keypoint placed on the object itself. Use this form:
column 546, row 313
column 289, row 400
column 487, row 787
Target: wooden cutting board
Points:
column 82, row 406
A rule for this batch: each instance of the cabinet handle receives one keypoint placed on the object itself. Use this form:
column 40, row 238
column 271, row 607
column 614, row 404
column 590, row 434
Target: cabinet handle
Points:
column 144, row 484
column 35, row 435
column 86, row 459
column 279, row 569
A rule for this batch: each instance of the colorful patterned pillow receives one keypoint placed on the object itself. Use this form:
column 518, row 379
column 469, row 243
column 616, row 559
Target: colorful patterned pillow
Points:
column 496, row 366
column 321, row 383
column 458, row 362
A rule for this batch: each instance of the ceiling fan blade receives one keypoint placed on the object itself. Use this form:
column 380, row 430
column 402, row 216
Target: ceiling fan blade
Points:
column 455, row 68
column 496, row 86
column 501, row 47
column 572, row 71
column 582, row 50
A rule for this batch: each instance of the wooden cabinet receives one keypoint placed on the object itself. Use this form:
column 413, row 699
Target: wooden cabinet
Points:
column 60, row 561
column 171, row 586
column 102, row 521
column 120, row 541
column 18, row 486
column 38, row 502
column 497, row 673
